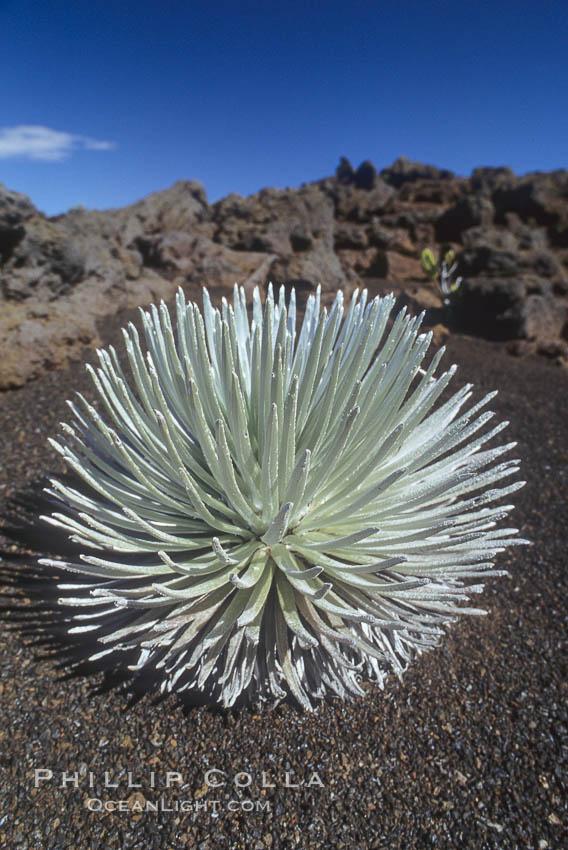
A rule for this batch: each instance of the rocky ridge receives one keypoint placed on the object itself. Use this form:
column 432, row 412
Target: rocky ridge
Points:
column 60, row 276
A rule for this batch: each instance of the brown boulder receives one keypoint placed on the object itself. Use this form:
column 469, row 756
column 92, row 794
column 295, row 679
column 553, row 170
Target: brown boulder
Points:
column 275, row 220
column 485, row 179
column 344, row 173
column 360, row 206
column 36, row 336
column 539, row 199
column 15, row 207
column 366, row 176
column 396, row 267
column 528, row 238
column 488, row 261
column 467, row 212
column 495, row 238
column 350, row 237
column 506, row 308
column 403, row 171
column 306, row 271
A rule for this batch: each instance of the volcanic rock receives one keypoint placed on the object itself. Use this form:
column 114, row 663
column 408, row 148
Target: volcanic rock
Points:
column 344, row 173
column 402, row 171
column 506, row 308
column 468, row 212
column 61, row 277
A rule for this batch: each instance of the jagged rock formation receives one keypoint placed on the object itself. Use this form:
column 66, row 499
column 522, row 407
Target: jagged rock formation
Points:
column 61, row 276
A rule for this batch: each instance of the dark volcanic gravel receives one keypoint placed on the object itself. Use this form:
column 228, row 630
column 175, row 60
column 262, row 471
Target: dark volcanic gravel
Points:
column 468, row 752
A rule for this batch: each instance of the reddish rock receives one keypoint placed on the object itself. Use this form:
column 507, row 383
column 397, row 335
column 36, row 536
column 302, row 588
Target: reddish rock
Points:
column 61, row 276
column 350, row 237
column 394, row 266
column 360, row 262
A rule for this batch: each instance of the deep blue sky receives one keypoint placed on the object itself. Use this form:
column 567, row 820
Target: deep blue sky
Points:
column 242, row 95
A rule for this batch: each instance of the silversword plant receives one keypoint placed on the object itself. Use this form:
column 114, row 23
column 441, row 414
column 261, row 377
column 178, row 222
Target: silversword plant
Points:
column 267, row 514
column 442, row 272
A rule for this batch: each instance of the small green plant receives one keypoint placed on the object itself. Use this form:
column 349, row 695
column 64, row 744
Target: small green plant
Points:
column 442, row 272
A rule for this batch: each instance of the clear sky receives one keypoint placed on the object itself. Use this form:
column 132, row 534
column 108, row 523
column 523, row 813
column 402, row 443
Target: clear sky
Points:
column 104, row 101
